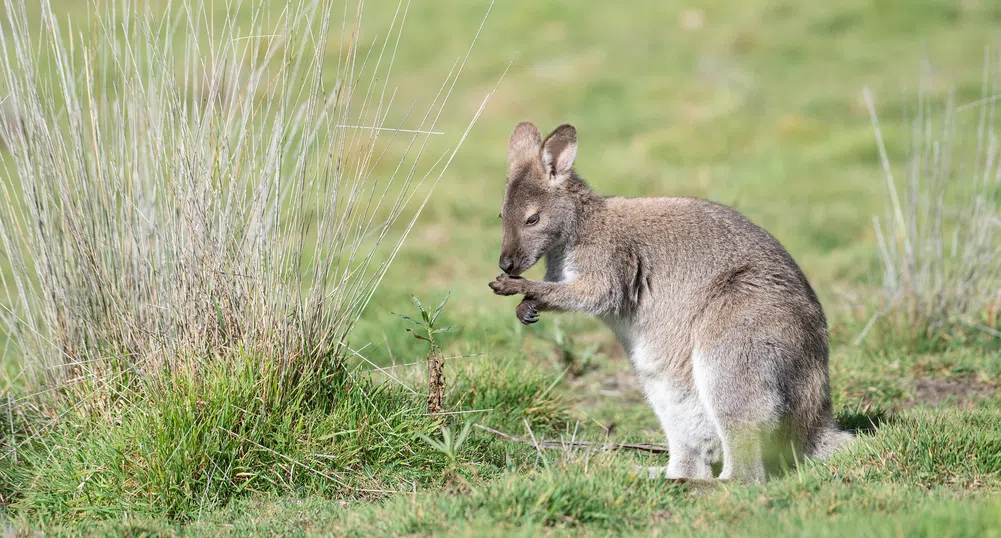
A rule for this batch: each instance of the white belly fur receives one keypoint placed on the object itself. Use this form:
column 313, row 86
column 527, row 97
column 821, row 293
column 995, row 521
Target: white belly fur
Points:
column 686, row 421
column 676, row 401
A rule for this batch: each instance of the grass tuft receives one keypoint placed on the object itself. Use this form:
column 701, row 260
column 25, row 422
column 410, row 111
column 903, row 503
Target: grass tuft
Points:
column 193, row 442
column 940, row 235
column 190, row 253
column 151, row 236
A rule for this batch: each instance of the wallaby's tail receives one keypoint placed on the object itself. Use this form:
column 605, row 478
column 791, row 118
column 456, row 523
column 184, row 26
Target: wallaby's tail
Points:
column 830, row 440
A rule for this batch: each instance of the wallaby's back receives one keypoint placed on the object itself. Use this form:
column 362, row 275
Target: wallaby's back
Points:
column 697, row 269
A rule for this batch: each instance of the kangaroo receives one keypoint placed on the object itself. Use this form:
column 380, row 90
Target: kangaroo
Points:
column 724, row 333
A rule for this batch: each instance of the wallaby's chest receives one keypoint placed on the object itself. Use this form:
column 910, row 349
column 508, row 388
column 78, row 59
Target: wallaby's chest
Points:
column 651, row 355
column 560, row 267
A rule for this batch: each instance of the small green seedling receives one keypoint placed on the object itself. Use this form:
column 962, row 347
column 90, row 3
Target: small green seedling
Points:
column 435, row 358
column 449, row 446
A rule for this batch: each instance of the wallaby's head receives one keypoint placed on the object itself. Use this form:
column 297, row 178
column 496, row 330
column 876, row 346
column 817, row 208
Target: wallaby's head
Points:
column 539, row 209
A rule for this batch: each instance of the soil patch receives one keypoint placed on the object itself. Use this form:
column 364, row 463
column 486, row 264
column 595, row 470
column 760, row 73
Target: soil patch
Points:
column 959, row 392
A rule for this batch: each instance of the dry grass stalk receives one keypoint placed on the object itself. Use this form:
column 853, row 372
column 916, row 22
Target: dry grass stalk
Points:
column 940, row 238
column 145, row 237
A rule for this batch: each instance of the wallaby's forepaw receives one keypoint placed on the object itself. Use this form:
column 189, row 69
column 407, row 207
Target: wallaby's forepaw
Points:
column 528, row 312
column 508, row 285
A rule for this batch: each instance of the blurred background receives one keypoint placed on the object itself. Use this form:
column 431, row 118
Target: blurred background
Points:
column 758, row 105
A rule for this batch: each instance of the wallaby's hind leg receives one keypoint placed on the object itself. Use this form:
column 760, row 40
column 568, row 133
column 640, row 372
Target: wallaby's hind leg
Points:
column 742, row 402
column 692, row 441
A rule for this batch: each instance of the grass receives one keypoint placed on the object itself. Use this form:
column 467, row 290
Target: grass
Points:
column 939, row 246
column 758, row 105
column 902, row 478
column 197, row 443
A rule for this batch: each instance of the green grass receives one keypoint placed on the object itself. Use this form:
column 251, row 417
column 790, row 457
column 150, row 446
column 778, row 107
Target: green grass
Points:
column 924, row 473
column 177, row 447
column 759, row 107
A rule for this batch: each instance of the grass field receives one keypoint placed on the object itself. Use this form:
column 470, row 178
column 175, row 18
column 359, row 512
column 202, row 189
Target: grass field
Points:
column 755, row 104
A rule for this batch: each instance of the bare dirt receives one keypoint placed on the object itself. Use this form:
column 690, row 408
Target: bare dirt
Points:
column 957, row 391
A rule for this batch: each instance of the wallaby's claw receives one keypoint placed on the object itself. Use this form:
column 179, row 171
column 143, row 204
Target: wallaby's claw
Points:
column 528, row 312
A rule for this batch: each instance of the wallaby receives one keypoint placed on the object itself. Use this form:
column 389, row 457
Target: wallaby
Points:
column 725, row 335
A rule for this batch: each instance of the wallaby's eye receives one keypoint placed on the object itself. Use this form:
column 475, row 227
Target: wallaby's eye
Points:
column 533, row 220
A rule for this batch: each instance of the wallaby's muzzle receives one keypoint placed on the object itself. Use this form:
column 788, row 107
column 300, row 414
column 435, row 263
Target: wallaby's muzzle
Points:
column 511, row 261
column 506, row 264
column 513, row 258
column 512, row 264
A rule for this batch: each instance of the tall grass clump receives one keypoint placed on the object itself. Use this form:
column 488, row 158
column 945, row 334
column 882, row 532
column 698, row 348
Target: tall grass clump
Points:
column 940, row 235
column 197, row 206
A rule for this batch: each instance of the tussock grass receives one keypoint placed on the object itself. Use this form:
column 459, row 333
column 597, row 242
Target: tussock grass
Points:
column 190, row 249
column 153, row 234
column 198, row 442
column 931, row 449
column 940, row 235
column 10, row 120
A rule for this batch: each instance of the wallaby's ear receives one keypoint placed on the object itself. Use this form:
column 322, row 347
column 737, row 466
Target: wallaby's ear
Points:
column 523, row 145
column 559, row 151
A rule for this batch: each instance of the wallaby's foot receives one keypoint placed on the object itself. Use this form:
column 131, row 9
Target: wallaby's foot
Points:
column 751, row 473
column 688, row 464
column 692, row 441
column 685, row 464
column 663, row 473
column 742, row 457
column 692, row 485
column 528, row 312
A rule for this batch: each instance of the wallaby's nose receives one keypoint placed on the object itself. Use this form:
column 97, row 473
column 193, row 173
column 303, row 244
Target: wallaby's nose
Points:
column 506, row 264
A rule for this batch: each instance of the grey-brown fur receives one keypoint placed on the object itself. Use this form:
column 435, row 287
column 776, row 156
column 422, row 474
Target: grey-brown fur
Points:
column 724, row 332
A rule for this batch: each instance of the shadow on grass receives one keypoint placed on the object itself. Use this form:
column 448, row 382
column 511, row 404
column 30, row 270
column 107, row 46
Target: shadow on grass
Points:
column 864, row 422
column 780, row 461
